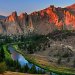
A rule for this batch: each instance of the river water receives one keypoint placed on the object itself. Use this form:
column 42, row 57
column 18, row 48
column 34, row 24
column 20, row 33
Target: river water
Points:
column 21, row 59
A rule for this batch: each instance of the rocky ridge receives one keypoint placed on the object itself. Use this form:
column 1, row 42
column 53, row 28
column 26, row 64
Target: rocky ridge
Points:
column 40, row 22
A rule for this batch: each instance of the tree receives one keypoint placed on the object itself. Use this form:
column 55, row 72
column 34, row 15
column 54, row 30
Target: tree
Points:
column 25, row 69
column 33, row 70
column 48, row 45
column 17, row 64
column 2, row 67
column 59, row 60
column 74, row 63
column 39, row 71
column 44, row 48
column 2, row 54
column 10, row 64
column 68, row 59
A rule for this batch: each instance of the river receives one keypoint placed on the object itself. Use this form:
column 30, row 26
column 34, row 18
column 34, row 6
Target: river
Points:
column 22, row 60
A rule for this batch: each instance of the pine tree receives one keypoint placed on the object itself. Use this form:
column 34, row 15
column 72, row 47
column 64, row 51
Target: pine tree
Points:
column 26, row 68
column 59, row 60
column 2, row 54
column 33, row 70
column 74, row 63
column 39, row 71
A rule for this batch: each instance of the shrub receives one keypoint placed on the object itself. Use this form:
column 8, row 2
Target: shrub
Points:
column 74, row 63
column 59, row 60
column 2, row 67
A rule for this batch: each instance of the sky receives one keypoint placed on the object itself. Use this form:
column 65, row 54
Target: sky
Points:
column 8, row 6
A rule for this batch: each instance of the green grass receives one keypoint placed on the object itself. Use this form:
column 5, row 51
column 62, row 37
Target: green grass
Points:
column 7, row 54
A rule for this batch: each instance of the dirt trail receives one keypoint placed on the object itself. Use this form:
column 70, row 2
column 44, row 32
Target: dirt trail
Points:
column 17, row 73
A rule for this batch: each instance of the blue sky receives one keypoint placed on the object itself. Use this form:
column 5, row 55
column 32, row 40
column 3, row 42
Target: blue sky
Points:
column 8, row 6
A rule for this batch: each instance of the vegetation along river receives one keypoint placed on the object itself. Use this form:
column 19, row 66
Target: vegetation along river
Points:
column 16, row 56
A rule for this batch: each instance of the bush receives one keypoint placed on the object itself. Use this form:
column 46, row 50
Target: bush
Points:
column 59, row 60
column 74, row 63
column 2, row 67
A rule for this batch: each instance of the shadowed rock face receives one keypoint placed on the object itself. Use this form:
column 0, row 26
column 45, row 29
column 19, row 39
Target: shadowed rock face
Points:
column 40, row 22
column 72, row 7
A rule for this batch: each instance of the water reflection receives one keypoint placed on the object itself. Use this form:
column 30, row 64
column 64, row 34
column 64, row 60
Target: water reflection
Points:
column 22, row 60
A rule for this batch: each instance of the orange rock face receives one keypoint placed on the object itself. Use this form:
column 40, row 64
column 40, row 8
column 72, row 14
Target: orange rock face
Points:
column 46, row 20
column 66, row 15
column 12, row 17
column 69, row 19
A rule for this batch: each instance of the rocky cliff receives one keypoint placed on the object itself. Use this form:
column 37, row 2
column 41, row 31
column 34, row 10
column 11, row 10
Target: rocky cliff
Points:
column 40, row 22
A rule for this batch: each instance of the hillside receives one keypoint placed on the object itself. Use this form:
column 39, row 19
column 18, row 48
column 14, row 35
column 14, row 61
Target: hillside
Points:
column 55, row 52
column 2, row 17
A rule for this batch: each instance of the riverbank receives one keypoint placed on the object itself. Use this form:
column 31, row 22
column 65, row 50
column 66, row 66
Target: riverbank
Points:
column 7, row 54
column 11, row 64
column 43, row 63
column 17, row 73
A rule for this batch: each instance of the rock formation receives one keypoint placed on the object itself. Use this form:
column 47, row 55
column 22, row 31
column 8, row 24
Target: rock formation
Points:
column 40, row 22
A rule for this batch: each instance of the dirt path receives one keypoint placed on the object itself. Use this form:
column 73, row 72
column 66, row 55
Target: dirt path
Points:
column 17, row 73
